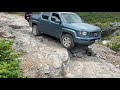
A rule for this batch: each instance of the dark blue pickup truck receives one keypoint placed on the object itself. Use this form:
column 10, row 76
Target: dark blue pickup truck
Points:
column 67, row 26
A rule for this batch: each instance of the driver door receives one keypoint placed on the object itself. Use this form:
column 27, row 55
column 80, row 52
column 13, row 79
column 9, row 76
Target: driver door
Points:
column 55, row 28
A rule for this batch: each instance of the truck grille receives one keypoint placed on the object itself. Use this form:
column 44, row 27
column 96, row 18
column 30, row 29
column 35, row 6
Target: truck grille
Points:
column 95, row 34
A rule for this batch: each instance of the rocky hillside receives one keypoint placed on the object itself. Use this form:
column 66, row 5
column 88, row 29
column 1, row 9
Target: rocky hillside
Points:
column 44, row 57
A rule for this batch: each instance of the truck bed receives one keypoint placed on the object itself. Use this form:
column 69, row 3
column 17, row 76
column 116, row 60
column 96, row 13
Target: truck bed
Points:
column 34, row 18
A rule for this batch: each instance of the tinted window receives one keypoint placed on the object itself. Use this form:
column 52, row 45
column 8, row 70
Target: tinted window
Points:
column 55, row 15
column 71, row 18
column 45, row 15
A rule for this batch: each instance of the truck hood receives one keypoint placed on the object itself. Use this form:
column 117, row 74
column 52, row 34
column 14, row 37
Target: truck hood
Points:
column 83, row 27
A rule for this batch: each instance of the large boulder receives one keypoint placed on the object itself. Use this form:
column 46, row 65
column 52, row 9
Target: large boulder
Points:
column 42, row 59
column 44, row 56
column 48, row 62
column 115, row 26
column 116, row 33
column 106, row 54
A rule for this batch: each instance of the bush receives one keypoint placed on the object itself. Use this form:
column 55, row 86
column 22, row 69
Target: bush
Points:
column 115, row 43
column 9, row 61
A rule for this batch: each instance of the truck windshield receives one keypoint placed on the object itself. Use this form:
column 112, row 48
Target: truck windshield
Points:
column 71, row 18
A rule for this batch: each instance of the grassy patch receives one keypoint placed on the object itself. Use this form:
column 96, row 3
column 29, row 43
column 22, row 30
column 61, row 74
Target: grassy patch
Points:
column 18, row 13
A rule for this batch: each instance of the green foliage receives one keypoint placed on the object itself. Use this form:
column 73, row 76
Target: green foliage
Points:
column 115, row 43
column 6, row 51
column 101, row 19
column 9, row 61
column 10, row 69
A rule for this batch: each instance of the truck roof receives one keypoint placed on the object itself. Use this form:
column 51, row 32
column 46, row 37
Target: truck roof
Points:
column 63, row 12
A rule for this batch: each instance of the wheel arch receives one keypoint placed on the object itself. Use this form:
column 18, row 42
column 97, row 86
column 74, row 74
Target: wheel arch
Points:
column 68, row 32
column 33, row 23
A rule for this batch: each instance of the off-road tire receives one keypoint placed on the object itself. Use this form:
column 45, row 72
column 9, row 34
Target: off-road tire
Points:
column 35, row 30
column 67, row 41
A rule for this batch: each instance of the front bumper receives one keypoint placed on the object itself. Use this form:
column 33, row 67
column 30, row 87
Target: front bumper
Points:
column 86, row 41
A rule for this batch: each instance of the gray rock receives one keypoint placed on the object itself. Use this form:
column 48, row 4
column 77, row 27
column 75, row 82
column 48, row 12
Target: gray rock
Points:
column 117, row 66
column 6, row 32
column 115, row 26
column 70, row 75
column 105, row 42
column 116, row 33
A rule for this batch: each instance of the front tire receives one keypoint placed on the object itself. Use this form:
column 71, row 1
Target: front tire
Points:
column 67, row 41
column 35, row 30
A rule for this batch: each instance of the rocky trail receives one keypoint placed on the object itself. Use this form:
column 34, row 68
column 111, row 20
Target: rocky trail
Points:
column 44, row 56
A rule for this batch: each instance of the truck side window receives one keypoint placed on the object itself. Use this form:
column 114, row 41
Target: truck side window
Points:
column 56, row 16
column 45, row 15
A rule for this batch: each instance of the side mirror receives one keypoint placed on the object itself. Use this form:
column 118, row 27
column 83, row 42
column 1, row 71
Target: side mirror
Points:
column 56, row 20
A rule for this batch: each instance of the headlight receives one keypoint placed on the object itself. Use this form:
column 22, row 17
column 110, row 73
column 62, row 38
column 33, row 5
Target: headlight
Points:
column 83, row 33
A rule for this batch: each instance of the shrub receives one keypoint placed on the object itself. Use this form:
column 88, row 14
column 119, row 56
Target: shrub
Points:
column 9, row 61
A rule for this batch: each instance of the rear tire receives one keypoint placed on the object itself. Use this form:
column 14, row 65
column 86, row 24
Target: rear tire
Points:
column 35, row 30
column 67, row 41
